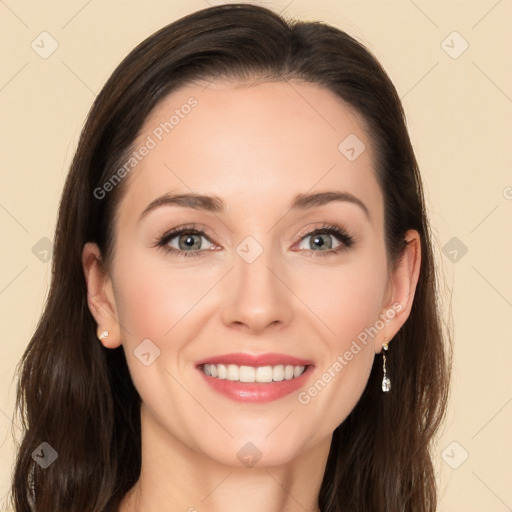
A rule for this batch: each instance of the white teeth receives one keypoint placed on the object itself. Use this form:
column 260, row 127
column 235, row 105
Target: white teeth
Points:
column 247, row 374
column 298, row 371
column 222, row 372
column 264, row 374
column 278, row 373
column 233, row 372
column 253, row 374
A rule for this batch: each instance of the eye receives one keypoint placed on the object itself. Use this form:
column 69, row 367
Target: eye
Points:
column 320, row 241
column 186, row 241
column 327, row 239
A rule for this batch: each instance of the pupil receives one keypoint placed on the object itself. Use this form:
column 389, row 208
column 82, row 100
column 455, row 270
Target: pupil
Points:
column 320, row 242
column 188, row 242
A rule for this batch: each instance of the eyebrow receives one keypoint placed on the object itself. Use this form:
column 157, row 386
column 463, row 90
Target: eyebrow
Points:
column 215, row 204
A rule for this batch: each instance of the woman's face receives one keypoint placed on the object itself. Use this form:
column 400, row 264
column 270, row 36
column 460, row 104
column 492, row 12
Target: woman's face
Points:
column 280, row 262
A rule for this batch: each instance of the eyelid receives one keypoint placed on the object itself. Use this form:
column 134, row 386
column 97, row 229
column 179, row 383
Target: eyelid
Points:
column 189, row 228
column 337, row 230
column 162, row 241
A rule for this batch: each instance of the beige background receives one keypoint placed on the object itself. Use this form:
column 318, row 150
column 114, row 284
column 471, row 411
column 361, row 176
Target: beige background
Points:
column 460, row 117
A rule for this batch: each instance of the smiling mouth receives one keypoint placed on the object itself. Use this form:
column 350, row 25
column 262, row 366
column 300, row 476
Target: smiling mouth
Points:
column 253, row 374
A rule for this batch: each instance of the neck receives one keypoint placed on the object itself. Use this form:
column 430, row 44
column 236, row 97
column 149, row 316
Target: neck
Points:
column 176, row 477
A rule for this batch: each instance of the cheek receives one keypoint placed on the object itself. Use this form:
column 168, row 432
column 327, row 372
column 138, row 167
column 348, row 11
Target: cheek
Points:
column 348, row 302
column 359, row 303
column 156, row 301
column 152, row 297
column 345, row 300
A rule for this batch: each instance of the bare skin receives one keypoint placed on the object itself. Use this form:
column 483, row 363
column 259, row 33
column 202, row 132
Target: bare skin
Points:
column 256, row 148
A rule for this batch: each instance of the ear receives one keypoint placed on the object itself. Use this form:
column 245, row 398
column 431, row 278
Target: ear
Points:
column 401, row 289
column 100, row 295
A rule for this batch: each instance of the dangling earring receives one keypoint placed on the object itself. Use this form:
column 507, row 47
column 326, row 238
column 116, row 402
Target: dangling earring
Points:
column 103, row 335
column 386, row 383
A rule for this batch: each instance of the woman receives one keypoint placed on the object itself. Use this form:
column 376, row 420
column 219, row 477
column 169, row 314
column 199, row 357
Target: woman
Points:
column 294, row 359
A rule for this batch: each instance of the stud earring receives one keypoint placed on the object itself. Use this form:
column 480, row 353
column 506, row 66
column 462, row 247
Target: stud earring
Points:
column 103, row 335
column 386, row 383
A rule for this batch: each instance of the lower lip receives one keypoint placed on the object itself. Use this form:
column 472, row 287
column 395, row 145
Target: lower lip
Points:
column 257, row 392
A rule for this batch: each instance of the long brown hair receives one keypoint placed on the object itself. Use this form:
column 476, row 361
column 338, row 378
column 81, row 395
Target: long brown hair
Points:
column 78, row 396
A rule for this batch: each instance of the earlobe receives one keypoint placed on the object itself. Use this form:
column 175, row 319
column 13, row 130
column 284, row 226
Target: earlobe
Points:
column 403, row 281
column 100, row 296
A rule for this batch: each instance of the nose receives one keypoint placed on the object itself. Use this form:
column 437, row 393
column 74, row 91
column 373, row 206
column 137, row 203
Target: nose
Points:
column 256, row 297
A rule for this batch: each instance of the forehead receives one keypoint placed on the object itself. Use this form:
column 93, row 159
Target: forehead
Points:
column 251, row 145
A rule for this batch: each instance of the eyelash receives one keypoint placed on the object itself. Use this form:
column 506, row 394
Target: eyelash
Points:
column 347, row 240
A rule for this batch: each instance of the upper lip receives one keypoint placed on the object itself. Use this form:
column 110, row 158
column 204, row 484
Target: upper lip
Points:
column 269, row 359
